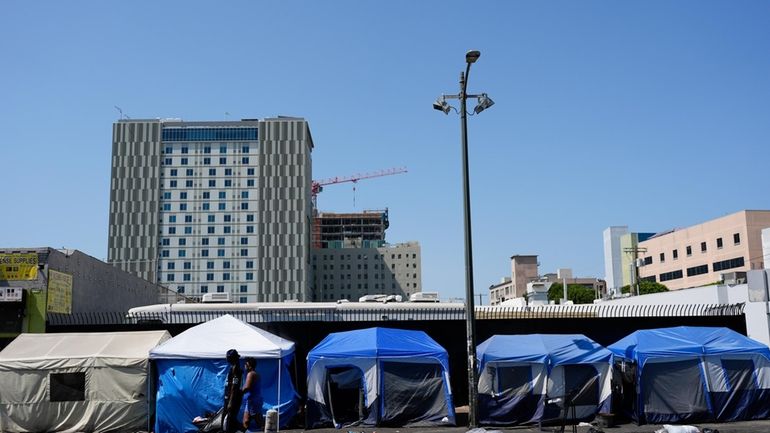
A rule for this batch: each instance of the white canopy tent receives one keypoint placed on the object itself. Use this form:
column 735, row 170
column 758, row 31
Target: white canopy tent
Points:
column 192, row 365
column 75, row 382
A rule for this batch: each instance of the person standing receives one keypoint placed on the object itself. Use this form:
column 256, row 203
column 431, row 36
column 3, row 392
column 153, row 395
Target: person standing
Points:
column 233, row 394
column 252, row 393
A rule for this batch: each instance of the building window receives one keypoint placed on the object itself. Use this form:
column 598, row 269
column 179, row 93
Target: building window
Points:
column 227, row 229
column 689, row 251
column 736, row 238
column 209, row 265
column 222, row 161
column 225, row 265
column 182, row 242
column 673, row 275
column 184, row 150
column 719, row 243
column 728, row 264
column 228, row 172
column 250, row 182
column 186, row 277
column 245, row 149
column 188, row 183
column 168, row 149
column 220, row 241
column 222, row 194
column 226, row 276
column 228, row 182
column 249, row 276
column 207, row 149
column 180, row 289
column 189, row 172
column 172, row 219
column 212, row 183
column 210, row 277
column 244, row 194
column 245, row 160
column 244, row 289
column 167, row 206
column 647, row 260
column 249, row 229
column 244, row 241
column 210, row 230
column 167, row 161
column 166, row 196
column 675, row 254
column 703, row 247
column 697, row 270
column 250, row 172
column 220, row 253
column 165, row 242
column 212, row 172
column 250, row 218
column 204, row 253
column 222, row 149
column 172, row 184
column 183, row 161
column 183, row 206
column 204, row 289
column 172, row 230
column 242, row 300
column 182, row 253
column 204, row 241
column 250, row 265
column 244, row 206
column 170, row 277
column 164, row 253
column 222, row 206
column 170, row 266
column 206, row 161
column 187, row 265
column 227, row 218
column 244, row 252
column 662, row 257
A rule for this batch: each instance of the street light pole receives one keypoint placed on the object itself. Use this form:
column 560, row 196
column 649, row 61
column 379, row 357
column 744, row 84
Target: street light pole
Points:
column 484, row 102
column 470, row 314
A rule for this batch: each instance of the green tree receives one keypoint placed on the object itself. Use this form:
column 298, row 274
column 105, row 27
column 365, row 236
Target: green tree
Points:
column 646, row 287
column 577, row 293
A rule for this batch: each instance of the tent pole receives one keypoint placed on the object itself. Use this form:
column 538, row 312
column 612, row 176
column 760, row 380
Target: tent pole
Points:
column 280, row 367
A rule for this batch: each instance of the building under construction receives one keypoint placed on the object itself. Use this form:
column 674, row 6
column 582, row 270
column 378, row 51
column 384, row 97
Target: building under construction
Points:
column 350, row 230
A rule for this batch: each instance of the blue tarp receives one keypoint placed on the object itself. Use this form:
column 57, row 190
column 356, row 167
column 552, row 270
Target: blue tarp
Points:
column 549, row 349
column 693, row 374
column 403, row 374
column 193, row 387
column 515, row 371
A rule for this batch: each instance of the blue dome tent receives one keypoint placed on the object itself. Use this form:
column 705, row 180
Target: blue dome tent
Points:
column 518, row 374
column 192, row 372
column 378, row 376
column 692, row 374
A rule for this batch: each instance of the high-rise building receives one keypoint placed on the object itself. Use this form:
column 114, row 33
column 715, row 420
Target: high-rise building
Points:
column 620, row 252
column 208, row 207
column 523, row 270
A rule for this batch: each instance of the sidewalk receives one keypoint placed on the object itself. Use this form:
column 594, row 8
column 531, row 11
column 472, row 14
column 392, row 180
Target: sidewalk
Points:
column 762, row 426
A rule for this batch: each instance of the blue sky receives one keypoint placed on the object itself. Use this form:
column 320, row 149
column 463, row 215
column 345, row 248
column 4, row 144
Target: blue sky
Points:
column 649, row 114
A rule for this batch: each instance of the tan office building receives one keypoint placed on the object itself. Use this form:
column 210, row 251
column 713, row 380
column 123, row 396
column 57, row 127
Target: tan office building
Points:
column 699, row 255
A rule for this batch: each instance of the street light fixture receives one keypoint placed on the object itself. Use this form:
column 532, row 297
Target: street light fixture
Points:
column 484, row 102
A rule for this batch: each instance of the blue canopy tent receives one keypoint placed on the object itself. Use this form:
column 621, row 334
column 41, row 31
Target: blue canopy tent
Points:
column 378, row 376
column 692, row 374
column 192, row 372
column 520, row 373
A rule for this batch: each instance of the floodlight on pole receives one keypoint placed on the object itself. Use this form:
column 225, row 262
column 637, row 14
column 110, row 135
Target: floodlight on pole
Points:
column 484, row 102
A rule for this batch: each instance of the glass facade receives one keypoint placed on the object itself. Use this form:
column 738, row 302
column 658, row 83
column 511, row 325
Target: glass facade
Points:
column 209, row 134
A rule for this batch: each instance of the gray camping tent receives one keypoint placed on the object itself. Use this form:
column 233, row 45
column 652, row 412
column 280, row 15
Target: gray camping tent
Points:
column 76, row 382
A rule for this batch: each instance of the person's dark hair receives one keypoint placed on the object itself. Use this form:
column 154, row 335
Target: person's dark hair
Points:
column 233, row 356
column 252, row 361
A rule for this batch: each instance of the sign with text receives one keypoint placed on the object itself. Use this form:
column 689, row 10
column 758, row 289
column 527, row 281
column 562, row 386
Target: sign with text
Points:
column 59, row 292
column 18, row 266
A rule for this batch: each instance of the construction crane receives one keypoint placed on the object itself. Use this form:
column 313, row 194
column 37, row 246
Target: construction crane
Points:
column 318, row 185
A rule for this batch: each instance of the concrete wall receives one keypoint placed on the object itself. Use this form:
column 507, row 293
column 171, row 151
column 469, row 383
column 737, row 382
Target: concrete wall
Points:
column 756, row 311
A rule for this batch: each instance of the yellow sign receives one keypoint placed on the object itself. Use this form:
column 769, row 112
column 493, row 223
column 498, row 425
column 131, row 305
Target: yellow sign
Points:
column 18, row 266
column 59, row 292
